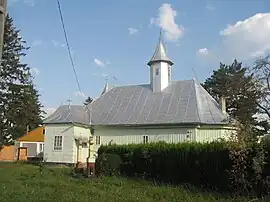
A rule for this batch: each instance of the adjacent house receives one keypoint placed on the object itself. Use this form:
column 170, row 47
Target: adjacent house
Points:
column 161, row 110
column 34, row 141
column 67, row 135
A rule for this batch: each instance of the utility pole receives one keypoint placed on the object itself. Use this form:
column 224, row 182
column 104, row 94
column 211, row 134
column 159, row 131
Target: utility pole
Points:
column 3, row 5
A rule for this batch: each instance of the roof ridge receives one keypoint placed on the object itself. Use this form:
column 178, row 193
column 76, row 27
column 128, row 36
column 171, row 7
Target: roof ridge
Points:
column 196, row 95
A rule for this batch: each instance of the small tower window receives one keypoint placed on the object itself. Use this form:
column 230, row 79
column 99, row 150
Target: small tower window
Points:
column 157, row 71
column 169, row 73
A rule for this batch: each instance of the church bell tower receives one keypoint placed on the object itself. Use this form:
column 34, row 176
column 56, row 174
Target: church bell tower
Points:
column 160, row 67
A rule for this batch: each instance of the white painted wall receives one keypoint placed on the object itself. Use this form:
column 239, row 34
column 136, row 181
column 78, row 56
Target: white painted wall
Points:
column 69, row 152
column 66, row 155
column 212, row 134
column 135, row 136
column 84, row 133
column 119, row 135
column 170, row 135
column 161, row 81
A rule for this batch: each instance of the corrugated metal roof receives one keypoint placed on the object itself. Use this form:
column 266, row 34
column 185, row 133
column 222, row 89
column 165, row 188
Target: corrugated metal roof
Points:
column 35, row 135
column 69, row 114
column 182, row 102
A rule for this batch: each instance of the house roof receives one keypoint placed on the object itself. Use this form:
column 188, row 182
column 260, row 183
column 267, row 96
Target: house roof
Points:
column 182, row 102
column 35, row 135
column 69, row 114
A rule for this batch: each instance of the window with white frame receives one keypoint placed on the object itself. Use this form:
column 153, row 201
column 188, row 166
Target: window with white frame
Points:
column 97, row 140
column 58, row 143
column 145, row 139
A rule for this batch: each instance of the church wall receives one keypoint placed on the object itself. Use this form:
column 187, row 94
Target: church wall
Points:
column 127, row 135
column 66, row 155
column 212, row 134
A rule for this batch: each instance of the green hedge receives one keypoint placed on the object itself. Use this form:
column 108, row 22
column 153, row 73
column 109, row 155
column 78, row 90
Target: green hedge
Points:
column 200, row 164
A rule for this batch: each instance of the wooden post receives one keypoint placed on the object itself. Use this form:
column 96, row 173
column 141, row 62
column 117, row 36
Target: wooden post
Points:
column 3, row 5
column 90, row 166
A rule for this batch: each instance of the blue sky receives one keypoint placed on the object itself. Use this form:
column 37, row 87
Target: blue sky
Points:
column 117, row 38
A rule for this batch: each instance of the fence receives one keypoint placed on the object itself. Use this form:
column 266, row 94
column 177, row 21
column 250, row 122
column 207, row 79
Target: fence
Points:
column 12, row 153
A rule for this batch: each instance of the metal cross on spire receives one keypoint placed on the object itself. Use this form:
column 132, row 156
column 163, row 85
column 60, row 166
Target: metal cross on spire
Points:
column 69, row 102
column 160, row 32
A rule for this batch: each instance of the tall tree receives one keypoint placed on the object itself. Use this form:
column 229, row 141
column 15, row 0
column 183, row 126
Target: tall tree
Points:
column 261, row 71
column 239, row 89
column 19, row 100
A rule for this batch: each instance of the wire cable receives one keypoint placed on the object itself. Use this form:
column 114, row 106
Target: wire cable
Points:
column 68, row 46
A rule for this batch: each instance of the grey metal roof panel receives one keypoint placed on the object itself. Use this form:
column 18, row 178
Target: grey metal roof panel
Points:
column 69, row 114
column 181, row 102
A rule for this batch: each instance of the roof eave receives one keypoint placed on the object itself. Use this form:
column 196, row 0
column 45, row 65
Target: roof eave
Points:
column 158, row 124
column 155, row 61
column 73, row 123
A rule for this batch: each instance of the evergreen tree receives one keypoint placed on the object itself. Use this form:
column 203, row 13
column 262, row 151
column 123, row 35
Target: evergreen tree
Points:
column 238, row 88
column 19, row 100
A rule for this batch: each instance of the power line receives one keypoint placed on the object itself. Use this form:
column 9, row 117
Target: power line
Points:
column 68, row 46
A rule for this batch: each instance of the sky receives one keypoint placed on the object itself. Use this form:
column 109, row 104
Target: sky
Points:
column 116, row 39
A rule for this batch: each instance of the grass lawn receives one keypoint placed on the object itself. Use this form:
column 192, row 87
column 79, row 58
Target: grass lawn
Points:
column 22, row 182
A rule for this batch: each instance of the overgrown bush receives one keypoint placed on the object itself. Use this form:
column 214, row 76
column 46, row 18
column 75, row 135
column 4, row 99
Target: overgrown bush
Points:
column 108, row 164
column 200, row 164
column 248, row 173
column 224, row 166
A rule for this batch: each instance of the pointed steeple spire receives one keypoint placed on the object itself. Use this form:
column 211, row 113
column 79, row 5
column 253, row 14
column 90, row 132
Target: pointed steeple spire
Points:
column 160, row 54
column 106, row 87
column 69, row 101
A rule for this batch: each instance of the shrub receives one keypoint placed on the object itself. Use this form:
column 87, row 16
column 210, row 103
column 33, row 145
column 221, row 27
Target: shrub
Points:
column 108, row 164
column 239, row 167
column 196, row 163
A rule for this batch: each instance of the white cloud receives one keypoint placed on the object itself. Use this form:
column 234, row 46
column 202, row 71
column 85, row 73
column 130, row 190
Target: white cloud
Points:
column 99, row 63
column 80, row 94
column 36, row 43
column 104, row 75
column 34, row 71
column 27, row 2
column 244, row 39
column 58, row 44
column 133, row 30
column 203, row 51
column 210, row 7
column 166, row 21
